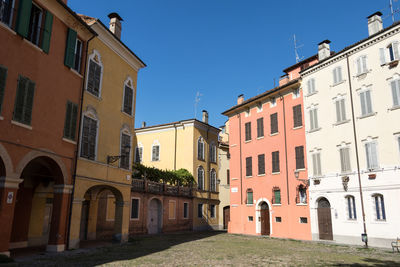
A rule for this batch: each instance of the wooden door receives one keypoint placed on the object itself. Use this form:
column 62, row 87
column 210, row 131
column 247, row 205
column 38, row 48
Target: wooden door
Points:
column 324, row 220
column 264, row 219
column 227, row 216
column 153, row 217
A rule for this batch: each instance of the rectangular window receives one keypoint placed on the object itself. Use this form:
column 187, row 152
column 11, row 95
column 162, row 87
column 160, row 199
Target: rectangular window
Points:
column 228, row 178
column 247, row 127
column 94, row 76
column 274, row 123
column 316, row 158
column 366, row 105
column 260, row 127
column 6, row 11
column 155, row 154
column 200, row 210
column 396, row 92
column 3, row 78
column 361, row 63
column 278, row 219
column 89, row 134
column 125, row 159
column 261, row 164
column 303, row 220
column 311, row 86
column 139, row 154
column 345, row 159
column 380, row 208
column 249, row 169
column 78, row 55
column 371, row 155
column 297, row 119
column 337, row 75
column 250, row 218
column 128, row 100
column 340, row 110
column 313, row 119
column 393, row 51
column 35, row 24
column 24, row 101
column 71, row 115
column 171, row 210
column 212, row 211
column 185, row 210
column 135, row 208
column 213, row 153
column 277, row 196
column 275, row 162
column 249, row 196
column 351, row 208
column 299, row 157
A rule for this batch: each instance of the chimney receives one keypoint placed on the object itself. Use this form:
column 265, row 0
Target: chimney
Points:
column 143, row 124
column 375, row 23
column 240, row 99
column 324, row 50
column 205, row 116
column 115, row 24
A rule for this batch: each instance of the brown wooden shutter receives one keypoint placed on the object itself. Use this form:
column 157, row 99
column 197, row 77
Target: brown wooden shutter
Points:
column 275, row 161
column 249, row 166
column 297, row 118
column 261, row 164
column 299, row 157
column 3, row 77
column 274, row 123
column 260, row 127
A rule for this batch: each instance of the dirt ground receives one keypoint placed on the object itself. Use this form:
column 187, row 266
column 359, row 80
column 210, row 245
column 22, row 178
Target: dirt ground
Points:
column 216, row 249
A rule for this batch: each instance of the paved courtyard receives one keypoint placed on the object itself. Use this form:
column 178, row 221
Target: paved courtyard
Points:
column 216, row 249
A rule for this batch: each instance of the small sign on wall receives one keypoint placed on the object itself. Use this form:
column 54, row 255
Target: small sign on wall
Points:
column 10, row 197
column 234, row 189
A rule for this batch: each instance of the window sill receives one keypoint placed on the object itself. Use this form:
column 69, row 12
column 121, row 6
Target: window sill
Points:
column 273, row 134
column 313, row 93
column 341, row 122
column 261, row 175
column 249, row 205
column 69, row 141
column 155, row 160
column 261, row 137
column 336, row 84
column 278, row 204
column 5, row 26
column 185, row 218
column 76, row 73
column 372, row 170
column 234, row 179
column 367, row 115
column 359, row 75
column 300, row 170
column 298, row 127
column 200, row 159
column 21, row 125
column 33, row 45
column 127, row 114
column 301, row 204
column 134, row 219
column 394, row 108
column 314, row 130
column 247, row 141
column 276, row 173
column 251, row 176
column 351, row 220
column 93, row 95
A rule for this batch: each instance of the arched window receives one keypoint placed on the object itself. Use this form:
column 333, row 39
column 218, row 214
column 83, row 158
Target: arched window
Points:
column 127, row 103
column 200, row 148
column 213, row 153
column 380, row 213
column 89, row 133
column 95, row 74
column 351, row 208
column 249, row 193
column 213, row 181
column 125, row 147
column 200, row 178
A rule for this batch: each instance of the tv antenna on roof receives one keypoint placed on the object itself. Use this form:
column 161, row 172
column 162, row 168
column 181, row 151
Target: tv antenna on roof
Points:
column 392, row 11
column 196, row 102
column 298, row 59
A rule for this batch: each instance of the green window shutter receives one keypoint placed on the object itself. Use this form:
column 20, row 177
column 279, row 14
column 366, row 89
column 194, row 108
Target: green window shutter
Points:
column 69, row 59
column 74, row 118
column 24, row 15
column 48, row 25
column 29, row 103
column 67, row 124
column 277, row 196
column 19, row 99
column 3, row 77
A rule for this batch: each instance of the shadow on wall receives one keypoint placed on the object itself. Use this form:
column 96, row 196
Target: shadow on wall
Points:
column 371, row 262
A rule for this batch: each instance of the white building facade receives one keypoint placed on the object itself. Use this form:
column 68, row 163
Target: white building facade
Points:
column 352, row 111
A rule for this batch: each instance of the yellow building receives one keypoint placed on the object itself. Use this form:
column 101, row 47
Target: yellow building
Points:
column 224, row 176
column 104, row 164
column 192, row 145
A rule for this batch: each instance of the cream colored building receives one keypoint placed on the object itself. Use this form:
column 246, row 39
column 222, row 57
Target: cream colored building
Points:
column 224, row 177
column 352, row 111
column 192, row 145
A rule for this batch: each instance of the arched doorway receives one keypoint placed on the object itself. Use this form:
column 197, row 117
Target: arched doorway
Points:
column 101, row 214
column 33, row 213
column 264, row 219
column 154, row 220
column 324, row 219
column 226, row 217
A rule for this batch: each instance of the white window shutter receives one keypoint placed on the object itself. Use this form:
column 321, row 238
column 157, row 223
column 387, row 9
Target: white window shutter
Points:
column 334, row 72
column 382, row 56
column 343, row 109
column 311, row 120
column 396, row 92
column 363, row 105
column 315, row 118
column 364, row 64
column 396, row 50
column 338, row 117
column 368, row 101
column 358, row 65
column 339, row 74
column 313, row 85
column 374, row 155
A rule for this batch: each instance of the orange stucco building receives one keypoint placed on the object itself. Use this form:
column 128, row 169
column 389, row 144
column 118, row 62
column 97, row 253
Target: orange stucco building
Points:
column 269, row 186
column 41, row 75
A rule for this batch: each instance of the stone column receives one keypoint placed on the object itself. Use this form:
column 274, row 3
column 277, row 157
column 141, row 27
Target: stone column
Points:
column 121, row 223
column 8, row 195
column 75, row 228
column 59, row 218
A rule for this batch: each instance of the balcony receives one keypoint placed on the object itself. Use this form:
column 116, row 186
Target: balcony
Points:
column 146, row 186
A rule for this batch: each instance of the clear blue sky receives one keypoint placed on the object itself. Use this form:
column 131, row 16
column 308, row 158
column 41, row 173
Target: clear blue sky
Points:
column 223, row 48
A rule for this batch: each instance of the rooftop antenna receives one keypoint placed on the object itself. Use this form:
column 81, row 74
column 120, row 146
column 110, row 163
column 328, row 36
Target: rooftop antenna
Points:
column 393, row 10
column 196, row 102
column 298, row 59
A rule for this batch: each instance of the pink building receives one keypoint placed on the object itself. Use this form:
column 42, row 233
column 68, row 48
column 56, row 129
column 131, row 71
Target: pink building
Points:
column 269, row 186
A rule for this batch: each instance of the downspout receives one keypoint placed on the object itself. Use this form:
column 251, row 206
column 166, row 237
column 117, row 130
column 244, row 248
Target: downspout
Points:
column 175, row 147
column 356, row 149
column 78, row 141
column 286, row 159
column 240, row 157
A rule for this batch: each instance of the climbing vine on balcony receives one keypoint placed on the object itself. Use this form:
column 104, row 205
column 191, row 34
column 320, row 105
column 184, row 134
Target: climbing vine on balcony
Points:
column 178, row 177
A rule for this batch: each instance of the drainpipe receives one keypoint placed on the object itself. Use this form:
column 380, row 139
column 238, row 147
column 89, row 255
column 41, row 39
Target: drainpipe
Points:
column 78, row 141
column 286, row 159
column 356, row 149
column 175, row 148
column 240, row 156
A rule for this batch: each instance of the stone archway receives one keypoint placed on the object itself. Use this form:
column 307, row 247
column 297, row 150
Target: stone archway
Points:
column 154, row 218
column 41, row 207
column 263, row 217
